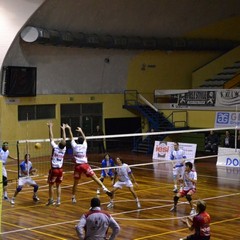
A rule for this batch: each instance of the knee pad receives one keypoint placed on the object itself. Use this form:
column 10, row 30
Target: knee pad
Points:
column 35, row 188
column 175, row 199
column 19, row 189
column 189, row 198
column 5, row 181
column 101, row 179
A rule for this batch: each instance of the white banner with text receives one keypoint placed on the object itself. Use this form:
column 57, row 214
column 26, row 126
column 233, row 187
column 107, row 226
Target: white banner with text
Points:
column 228, row 157
column 162, row 150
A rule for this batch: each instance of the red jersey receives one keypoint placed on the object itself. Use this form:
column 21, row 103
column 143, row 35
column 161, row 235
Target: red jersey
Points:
column 201, row 224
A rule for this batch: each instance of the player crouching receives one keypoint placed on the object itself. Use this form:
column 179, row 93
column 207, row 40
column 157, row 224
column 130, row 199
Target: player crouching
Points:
column 26, row 170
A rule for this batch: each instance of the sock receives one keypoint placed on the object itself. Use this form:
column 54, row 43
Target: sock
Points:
column 5, row 194
column 137, row 200
column 175, row 186
column 58, row 199
column 73, row 196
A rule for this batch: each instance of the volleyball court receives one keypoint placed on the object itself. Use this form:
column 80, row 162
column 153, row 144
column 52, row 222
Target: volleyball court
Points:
column 154, row 178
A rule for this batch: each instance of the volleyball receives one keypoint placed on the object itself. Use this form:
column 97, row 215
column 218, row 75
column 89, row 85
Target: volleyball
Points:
column 38, row 145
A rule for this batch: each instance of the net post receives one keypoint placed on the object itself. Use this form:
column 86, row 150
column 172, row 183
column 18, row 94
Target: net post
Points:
column 1, row 193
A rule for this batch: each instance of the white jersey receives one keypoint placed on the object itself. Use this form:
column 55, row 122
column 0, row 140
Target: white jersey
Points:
column 80, row 152
column 25, row 168
column 123, row 173
column 178, row 155
column 3, row 158
column 94, row 225
column 189, row 184
column 57, row 155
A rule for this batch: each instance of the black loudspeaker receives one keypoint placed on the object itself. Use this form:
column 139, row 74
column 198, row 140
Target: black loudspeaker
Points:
column 19, row 81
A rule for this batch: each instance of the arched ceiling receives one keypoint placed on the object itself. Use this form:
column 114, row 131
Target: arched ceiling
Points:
column 144, row 18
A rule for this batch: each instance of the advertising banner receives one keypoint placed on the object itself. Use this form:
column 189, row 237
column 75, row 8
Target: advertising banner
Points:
column 162, row 150
column 228, row 157
column 227, row 119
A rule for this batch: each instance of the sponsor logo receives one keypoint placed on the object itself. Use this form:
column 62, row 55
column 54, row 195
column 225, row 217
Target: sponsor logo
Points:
column 222, row 117
column 162, row 149
column 233, row 162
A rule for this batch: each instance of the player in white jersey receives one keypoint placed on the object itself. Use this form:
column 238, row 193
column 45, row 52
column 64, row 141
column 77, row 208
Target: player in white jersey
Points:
column 124, row 177
column 189, row 180
column 177, row 156
column 56, row 172
column 26, row 170
column 95, row 224
column 81, row 162
column 4, row 155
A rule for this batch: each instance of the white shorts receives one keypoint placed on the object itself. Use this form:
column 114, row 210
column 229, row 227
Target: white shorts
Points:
column 178, row 171
column 4, row 171
column 26, row 180
column 119, row 184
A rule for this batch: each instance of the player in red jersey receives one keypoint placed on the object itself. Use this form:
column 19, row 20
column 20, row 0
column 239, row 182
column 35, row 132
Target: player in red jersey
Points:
column 200, row 223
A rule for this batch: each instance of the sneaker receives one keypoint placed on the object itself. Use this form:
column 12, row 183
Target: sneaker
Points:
column 12, row 201
column 138, row 205
column 5, row 198
column 58, row 203
column 110, row 205
column 36, row 198
column 98, row 191
column 193, row 212
column 50, row 202
column 173, row 209
column 175, row 190
column 107, row 192
column 74, row 200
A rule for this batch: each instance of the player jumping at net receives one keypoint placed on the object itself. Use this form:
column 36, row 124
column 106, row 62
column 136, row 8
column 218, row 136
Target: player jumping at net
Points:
column 81, row 162
column 56, row 172
column 107, row 162
column 125, row 178
column 189, row 180
column 178, row 157
column 26, row 170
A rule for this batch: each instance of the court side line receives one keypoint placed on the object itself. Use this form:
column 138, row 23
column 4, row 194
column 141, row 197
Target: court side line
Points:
column 159, row 219
column 180, row 230
column 114, row 214
column 31, row 229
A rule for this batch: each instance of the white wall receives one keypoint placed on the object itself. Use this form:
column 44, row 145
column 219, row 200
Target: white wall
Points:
column 13, row 15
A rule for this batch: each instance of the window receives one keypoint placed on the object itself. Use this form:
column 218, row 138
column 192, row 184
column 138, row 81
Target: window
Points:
column 36, row 112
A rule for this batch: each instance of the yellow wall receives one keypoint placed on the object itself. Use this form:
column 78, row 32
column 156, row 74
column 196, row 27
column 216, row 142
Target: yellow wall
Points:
column 173, row 70
column 196, row 118
column 13, row 130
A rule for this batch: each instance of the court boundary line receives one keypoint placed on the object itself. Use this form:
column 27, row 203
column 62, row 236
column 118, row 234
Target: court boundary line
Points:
column 115, row 214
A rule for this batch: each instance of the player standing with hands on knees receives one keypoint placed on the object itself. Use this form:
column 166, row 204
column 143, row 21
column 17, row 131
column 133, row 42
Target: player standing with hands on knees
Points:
column 56, row 172
column 26, row 170
column 126, row 178
column 107, row 162
column 178, row 157
column 81, row 162
column 189, row 180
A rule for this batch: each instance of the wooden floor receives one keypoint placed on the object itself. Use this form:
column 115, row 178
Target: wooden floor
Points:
column 220, row 187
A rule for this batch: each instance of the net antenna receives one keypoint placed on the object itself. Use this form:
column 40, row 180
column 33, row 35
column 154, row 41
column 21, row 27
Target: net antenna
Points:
column 27, row 136
column 236, row 128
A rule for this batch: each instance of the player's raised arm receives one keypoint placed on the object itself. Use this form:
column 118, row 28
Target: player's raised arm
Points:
column 82, row 133
column 70, row 131
column 50, row 125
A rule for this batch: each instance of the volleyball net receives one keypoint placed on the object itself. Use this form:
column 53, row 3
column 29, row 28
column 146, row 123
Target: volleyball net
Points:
column 40, row 149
